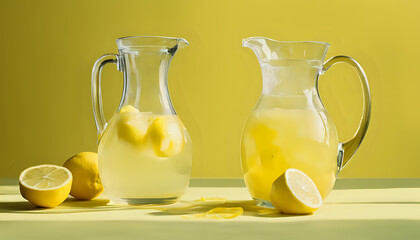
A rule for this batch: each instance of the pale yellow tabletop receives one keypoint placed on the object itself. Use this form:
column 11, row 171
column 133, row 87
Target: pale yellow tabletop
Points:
column 356, row 209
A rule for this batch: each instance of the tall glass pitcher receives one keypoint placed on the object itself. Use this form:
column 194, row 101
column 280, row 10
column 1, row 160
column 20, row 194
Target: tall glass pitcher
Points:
column 289, row 126
column 144, row 151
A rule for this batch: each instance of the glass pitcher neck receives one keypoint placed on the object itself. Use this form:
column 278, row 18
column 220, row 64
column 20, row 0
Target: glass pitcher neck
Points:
column 288, row 68
column 289, row 76
column 268, row 49
column 146, row 76
column 145, row 62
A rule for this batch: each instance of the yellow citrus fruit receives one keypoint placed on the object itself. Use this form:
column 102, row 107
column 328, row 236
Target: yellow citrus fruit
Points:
column 166, row 136
column 295, row 193
column 218, row 213
column 129, row 109
column 132, row 125
column 86, row 182
column 45, row 185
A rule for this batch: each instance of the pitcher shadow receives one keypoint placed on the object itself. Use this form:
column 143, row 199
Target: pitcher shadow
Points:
column 196, row 207
column 70, row 205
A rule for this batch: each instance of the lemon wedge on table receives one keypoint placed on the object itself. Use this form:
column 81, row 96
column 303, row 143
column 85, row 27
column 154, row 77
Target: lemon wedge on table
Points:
column 45, row 185
column 218, row 213
column 166, row 136
column 295, row 193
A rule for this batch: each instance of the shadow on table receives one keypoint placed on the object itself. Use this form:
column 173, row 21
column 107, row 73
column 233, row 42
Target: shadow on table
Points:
column 71, row 205
column 185, row 208
column 198, row 207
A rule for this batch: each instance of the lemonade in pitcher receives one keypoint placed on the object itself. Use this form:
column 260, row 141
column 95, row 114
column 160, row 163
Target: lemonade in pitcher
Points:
column 277, row 139
column 145, row 148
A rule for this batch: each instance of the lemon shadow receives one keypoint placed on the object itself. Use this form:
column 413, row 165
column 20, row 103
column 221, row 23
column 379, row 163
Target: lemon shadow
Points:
column 11, row 207
column 70, row 205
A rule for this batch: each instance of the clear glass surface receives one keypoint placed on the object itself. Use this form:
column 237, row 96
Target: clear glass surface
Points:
column 144, row 151
column 289, row 126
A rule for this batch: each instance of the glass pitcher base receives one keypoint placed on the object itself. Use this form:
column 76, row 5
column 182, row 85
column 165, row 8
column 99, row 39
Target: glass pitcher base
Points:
column 145, row 201
column 263, row 203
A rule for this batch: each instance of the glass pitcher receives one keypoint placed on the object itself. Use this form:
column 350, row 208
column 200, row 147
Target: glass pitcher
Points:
column 144, row 152
column 289, row 127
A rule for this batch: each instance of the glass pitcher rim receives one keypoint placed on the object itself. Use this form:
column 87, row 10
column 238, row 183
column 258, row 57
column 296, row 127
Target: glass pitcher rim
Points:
column 277, row 41
column 151, row 41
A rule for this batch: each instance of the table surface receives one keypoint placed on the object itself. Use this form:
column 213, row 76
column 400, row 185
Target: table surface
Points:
column 355, row 209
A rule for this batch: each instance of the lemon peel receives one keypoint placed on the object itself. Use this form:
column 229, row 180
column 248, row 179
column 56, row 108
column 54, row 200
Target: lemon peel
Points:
column 294, row 192
column 45, row 185
column 217, row 213
column 86, row 182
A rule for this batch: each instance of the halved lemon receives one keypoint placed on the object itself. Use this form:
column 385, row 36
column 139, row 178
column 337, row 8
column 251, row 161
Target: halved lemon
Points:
column 295, row 193
column 45, row 185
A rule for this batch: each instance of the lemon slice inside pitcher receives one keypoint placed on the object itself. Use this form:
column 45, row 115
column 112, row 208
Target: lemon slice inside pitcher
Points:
column 132, row 125
column 166, row 136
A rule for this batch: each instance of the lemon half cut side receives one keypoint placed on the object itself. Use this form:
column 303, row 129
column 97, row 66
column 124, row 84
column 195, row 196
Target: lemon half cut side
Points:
column 45, row 185
column 294, row 192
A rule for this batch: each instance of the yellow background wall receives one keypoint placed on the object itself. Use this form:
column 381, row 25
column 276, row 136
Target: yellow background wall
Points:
column 48, row 49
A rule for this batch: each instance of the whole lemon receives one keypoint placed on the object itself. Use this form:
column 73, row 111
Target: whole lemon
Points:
column 86, row 182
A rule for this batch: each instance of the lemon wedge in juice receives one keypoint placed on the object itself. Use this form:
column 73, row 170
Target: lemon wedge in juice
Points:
column 166, row 136
column 132, row 125
column 129, row 109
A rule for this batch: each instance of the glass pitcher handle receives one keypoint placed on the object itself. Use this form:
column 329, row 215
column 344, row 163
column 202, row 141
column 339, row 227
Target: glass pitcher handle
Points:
column 98, row 111
column 348, row 148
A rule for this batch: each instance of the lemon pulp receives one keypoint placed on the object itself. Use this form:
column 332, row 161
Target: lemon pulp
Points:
column 45, row 185
column 295, row 193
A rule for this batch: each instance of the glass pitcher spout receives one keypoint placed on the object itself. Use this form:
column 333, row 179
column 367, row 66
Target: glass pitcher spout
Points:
column 268, row 49
column 288, row 68
column 150, row 44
